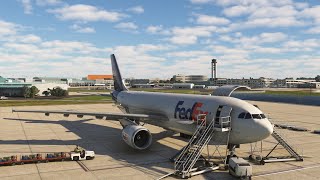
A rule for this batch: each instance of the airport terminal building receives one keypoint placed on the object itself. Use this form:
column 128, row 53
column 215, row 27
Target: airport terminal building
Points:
column 14, row 88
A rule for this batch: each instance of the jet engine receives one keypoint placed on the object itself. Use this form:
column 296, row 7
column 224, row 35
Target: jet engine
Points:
column 137, row 137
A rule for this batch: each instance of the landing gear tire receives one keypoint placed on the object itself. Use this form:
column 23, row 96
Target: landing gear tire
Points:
column 227, row 160
column 251, row 157
column 186, row 136
column 262, row 162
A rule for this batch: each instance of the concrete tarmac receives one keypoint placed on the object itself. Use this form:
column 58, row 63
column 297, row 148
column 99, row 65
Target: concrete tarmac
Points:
column 26, row 133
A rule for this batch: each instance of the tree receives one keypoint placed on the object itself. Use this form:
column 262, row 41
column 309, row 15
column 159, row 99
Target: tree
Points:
column 33, row 91
column 26, row 91
column 318, row 78
column 58, row 91
column 46, row 93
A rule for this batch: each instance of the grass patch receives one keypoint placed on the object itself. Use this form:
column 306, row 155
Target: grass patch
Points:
column 87, row 90
column 293, row 93
column 180, row 91
column 46, row 102
column 64, row 101
column 90, row 98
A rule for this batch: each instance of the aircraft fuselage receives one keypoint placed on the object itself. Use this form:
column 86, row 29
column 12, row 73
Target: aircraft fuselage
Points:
column 179, row 109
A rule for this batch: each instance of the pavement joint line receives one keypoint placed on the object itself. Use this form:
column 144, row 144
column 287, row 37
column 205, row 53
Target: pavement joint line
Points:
column 28, row 143
column 56, row 134
column 288, row 170
column 124, row 165
column 83, row 166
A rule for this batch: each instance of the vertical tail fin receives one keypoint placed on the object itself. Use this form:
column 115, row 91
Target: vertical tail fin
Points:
column 118, row 83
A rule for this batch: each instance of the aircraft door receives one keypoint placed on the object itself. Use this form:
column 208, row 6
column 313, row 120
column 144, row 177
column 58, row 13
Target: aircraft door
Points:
column 223, row 112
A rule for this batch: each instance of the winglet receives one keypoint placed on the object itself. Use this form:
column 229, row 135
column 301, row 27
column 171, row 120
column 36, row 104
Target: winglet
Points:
column 117, row 79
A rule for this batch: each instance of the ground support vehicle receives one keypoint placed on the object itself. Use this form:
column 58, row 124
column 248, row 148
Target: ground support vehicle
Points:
column 239, row 167
column 11, row 160
column 61, row 156
column 82, row 155
column 48, row 157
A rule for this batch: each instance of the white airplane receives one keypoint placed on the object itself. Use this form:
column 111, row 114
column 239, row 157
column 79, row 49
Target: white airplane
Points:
column 177, row 112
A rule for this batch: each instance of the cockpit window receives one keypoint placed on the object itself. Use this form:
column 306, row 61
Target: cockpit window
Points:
column 256, row 116
column 248, row 116
column 251, row 116
column 242, row 115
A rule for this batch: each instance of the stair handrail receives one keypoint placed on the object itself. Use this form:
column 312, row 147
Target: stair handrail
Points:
column 210, row 127
column 196, row 156
column 190, row 141
column 200, row 143
column 286, row 145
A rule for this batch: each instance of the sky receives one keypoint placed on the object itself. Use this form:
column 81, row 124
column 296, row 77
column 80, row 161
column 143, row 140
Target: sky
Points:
column 157, row 39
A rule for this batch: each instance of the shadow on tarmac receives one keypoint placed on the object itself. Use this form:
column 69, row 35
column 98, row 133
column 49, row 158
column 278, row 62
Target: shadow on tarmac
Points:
column 105, row 140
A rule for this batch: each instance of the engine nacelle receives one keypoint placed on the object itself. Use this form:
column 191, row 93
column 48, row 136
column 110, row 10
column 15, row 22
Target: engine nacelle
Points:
column 137, row 137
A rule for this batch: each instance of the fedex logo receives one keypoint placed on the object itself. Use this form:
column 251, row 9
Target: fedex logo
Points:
column 188, row 113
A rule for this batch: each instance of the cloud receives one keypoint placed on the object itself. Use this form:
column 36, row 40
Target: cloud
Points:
column 157, row 30
column 274, row 22
column 7, row 28
column 139, row 61
column 30, row 38
column 312, row 12
column 210, row 20
column 190, row 35
column 272, row 37
column 126, row 25
column 239, row 10
column 300, row 5
column 230, row 54
column 48, row 2
column 183, row 39
column 136, row 9
column 201, row 31
column 80, row 29
column 201, row 1
column 314, row 30
column 27, row 6
column 82, row 12
column 189, row 54
column 58, row 46
column 269, row 12
column 304, row 45
column 226, row 3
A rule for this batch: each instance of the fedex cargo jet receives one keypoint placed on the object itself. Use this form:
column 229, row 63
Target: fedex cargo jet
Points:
column 177, row 112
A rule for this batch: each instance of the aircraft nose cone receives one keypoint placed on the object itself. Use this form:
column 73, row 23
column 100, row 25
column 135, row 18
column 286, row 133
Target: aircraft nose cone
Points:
column 267, row 128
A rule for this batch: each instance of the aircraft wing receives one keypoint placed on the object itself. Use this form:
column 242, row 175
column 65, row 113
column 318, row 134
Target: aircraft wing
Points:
column 109, row 116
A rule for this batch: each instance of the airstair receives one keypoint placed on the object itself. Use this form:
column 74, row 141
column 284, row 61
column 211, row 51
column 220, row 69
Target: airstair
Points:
column 294, row 155
column 185, row 164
